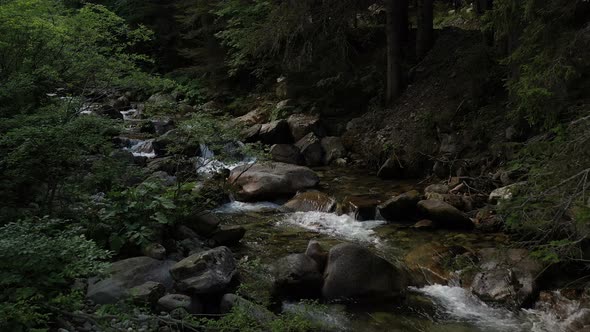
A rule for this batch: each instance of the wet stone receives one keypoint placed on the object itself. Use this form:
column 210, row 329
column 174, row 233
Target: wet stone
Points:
column 362, row 207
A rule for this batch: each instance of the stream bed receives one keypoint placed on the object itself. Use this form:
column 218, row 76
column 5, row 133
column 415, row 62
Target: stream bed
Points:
column 272, row 234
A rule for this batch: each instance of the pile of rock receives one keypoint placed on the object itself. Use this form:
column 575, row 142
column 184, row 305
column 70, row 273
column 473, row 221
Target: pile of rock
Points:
column 299, row 139
column 194, row 268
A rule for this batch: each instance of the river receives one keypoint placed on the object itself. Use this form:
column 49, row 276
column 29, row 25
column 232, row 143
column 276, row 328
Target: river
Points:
column 272, row 234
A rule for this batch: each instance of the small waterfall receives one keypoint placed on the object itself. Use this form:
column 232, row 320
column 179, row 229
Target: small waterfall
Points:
column 141, row 148
column 129, row 114
column 343, row 226
column 236, row 207
column 459, row 304
column 206, row 153
column 207, row 164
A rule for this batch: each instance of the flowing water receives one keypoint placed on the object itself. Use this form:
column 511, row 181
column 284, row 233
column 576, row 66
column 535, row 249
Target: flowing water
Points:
column 206, row 163
column 272, row 233
column 140, row 148
column 437, row 308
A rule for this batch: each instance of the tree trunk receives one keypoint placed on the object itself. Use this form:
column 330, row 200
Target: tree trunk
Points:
column 393, row 29
column 481, row 6
column 405, row 21
column 424, row 35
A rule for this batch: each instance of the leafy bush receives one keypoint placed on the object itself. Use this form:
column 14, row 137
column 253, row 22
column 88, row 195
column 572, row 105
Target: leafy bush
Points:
column 43, row 153
column 46, row 46
column 137, row 215
column 551, row 212
column 38, row 259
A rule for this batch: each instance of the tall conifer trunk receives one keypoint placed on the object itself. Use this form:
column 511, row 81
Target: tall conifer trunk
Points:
column 425, row 33
column 393, row 29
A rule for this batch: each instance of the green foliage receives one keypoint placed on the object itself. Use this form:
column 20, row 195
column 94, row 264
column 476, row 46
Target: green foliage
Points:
column 243, row 33
column 546, row 46
column 551, row 211
column 281, row 113
column 43, row 152
column 256, row 282
column 46, row 46
column 38, row 260
column 136, row 215
column 294, row 35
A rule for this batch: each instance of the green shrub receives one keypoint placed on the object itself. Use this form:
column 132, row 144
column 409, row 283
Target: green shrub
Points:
column 44, row 158
column 39, row 258
column 136, row 216
column 46, row 46
column 551, row 213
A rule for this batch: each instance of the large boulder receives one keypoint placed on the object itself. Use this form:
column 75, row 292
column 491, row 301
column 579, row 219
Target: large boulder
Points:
column 206, row 272
column 311, row 149
column 303, row 124
column 507, row 276
column 286, row 153
column 444, row 215
column 400, row 207
column 354, row 272
column 276, row 132
column 126, row 274
column 297, row 275
column 271, row 180
column 333, row 149
column 311, row 201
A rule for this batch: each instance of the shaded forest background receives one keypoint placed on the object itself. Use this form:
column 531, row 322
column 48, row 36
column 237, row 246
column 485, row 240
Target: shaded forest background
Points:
column 510, row 78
